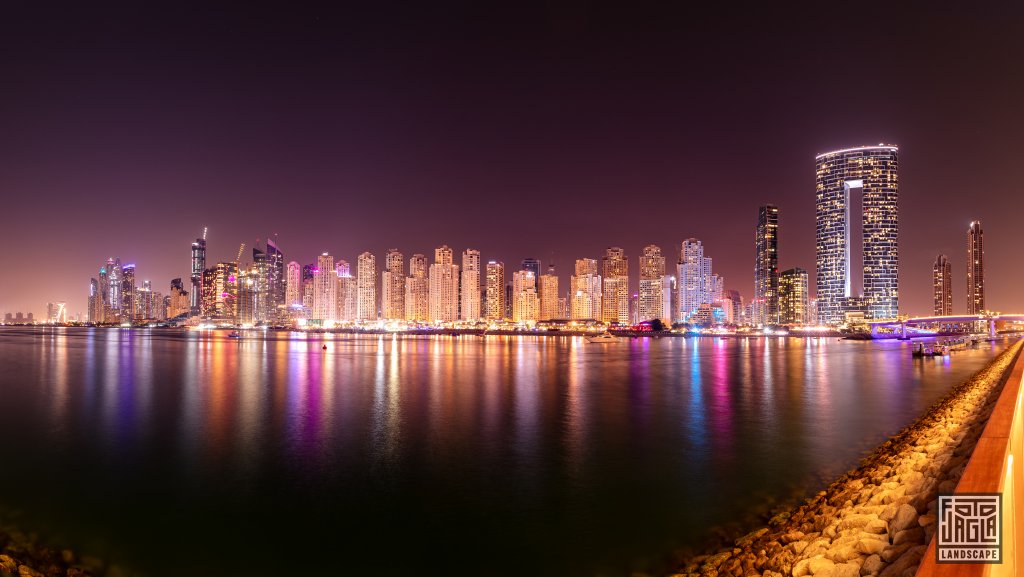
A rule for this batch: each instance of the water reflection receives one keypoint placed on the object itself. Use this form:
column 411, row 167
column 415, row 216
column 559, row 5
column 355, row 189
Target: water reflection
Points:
column 542, row 452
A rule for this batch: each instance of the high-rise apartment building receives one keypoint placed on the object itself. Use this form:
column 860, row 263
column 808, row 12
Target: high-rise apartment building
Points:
column 325, row 289
column 615, row 297
column 793, row 297
column 366, row 287
column 293, row 285
column 114, row 281
column 766, row 267
column 417, row 290
column 392, row 284
column 651, row 297
column 470, row 310
column 198, row 268
column 693, row 279
column 942, row 286
column 179, row 302
column 525, row 302
column 975, row 269
column 856, row 243
column 549, row 296
column 259, row 283
column 348, row 292
column 444, row 287
column 95, row 302
column 494, row 302
column 586, row 291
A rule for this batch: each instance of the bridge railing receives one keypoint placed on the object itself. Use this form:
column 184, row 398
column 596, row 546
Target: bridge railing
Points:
column 996, row 466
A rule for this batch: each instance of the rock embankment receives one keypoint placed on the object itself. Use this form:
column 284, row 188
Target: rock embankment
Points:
column 878, row 518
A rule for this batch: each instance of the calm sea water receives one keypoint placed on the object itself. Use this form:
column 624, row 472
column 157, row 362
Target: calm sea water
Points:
column 194, row 454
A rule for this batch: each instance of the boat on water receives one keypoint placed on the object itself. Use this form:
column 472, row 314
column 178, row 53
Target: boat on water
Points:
column 234, row 335
column 604, row 337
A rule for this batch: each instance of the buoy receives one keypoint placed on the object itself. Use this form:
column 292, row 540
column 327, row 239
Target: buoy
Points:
column 325, row 347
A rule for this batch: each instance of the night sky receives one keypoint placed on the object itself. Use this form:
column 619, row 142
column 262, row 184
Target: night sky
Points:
column 551, row 130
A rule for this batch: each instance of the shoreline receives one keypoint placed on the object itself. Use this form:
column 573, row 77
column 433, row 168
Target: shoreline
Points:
column 878, row 518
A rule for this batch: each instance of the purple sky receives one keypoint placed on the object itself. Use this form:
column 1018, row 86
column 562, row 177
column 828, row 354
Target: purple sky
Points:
column 534, row 130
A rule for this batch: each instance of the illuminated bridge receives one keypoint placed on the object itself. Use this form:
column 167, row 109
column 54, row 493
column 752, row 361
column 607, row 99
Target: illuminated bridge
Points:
column 924, row 326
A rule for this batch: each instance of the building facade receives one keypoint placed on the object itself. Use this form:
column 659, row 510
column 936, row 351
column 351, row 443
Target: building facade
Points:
column 857, row 233
column 693, row 279
column 470, row 286
column 494, row 300
column 651, row 296
column 793, row 296
column 366, row 287
column 942, row 286
column 444, row 287
column 975, row 269
column 392, row 285
column 417, row 290
column 766, row 266
column 615, row 297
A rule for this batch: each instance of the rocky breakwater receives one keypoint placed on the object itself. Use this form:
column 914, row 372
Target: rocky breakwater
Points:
column 878, row 518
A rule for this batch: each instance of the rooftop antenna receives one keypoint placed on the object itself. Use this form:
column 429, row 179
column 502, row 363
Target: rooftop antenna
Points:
column 204, row 233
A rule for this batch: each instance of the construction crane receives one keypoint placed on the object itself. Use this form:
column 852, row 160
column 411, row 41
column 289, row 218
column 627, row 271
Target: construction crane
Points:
column 238, row 258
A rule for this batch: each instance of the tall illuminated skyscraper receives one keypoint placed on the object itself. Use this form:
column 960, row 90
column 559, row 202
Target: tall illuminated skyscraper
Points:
column 766, row 267
column 549, row 295
column 444, row 287
column 366, row 287
column 293, row 285
column 470, row 293
column 114, row 283
column 615, row 297
column 348, row 292
column 494, row 303
column 693, row 279
column 942, row 286
column 975, row 269
column 417, row 290
column 586, row 291
column 95, row 302
column 651, row 301
column 275, row 279
column 325, row 289
column 258, row 281
column 794, row 298
column 525, row 304
column 128, row 296
column 198, row 267
column 857, row 233
column 392, row 283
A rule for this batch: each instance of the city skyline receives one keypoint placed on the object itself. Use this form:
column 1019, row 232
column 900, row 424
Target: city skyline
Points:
column 515, row 133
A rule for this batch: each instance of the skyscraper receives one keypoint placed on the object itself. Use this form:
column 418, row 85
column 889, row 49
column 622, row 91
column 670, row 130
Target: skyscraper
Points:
column 366, row 287
column 525, row 304
column 128, row 296
column 693, row 279
column 392, row 283
column 417, row 290
column 258, row 281
column 549, row 295
column 444, row 287
column 766, row 266
column 470, row 285
column 293, row 285
column 615, row 297
column 942, row 286
column 793, row 297
column 114, row 283
column 651, row 298
column 494, row 303
column 275, row 279
column 857, row 250
column 95, row 302
column 325, row 288
column 198, row 268
column 586, row 291
column 348, row 292
column 975, row 269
